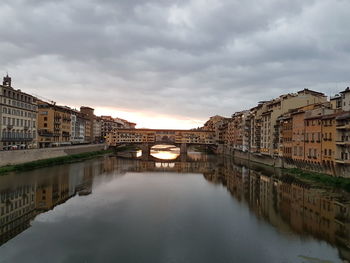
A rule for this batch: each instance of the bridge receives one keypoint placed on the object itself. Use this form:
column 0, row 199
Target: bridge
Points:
column 145, row 139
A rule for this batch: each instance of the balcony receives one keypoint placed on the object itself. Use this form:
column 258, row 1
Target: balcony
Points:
column 16, row 139
column 65, row 134
column 343, row 142
column 9, row 126
column 44, row 133
column 343, row 127
column 342, row 161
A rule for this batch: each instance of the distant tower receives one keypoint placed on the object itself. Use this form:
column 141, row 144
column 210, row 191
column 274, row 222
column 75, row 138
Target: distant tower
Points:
column 7, row 81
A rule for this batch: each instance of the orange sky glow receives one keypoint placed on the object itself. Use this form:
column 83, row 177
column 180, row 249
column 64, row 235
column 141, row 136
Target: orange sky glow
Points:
column 151, row 119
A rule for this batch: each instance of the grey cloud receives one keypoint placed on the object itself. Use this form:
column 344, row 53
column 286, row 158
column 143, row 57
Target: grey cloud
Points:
column 210, row 57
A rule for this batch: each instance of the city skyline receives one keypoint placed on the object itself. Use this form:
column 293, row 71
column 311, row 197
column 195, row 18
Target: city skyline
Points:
column 173, row 63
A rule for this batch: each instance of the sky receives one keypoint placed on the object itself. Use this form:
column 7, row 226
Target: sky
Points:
column 173, row 64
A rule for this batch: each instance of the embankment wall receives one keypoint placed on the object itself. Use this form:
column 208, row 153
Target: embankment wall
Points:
column 24, row 156
column 278, row 162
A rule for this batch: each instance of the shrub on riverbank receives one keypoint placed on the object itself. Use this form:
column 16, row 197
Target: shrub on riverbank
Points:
column 51, row 161
column 323, row 179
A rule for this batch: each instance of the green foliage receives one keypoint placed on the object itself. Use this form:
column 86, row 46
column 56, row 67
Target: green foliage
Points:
column 323, row 179
column 51, row 162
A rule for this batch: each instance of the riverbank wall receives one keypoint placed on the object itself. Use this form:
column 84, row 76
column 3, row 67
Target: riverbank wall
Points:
column 280, row 162
column 26, row 156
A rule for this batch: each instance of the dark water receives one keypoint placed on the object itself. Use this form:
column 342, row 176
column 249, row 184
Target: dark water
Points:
column 210, row 210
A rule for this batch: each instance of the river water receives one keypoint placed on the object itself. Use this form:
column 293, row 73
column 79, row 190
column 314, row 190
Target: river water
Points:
column 193, row 209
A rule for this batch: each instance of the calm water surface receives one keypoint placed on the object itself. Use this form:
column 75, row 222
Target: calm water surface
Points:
column 196, row 209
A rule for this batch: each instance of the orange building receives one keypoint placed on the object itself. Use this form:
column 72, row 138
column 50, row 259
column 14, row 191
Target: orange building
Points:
column 313, row 145
column 328, row 139
column 286, row 124
column 54, row 124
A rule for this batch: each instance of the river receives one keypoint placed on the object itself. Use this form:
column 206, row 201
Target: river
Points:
column 196, row 209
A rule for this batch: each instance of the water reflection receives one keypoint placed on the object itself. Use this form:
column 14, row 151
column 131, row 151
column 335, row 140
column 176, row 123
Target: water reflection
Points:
column 291, row 207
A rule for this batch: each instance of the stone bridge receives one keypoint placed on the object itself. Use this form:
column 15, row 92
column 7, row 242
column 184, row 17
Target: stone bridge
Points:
column 145, row 139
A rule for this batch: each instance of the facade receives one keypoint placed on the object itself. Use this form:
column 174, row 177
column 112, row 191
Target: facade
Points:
column 341, row 101
column 54, row 125
column 286, row 141
column 97, row 126
column 345, row 99
column 108, row 125
column 89, row 116
column 77, row 128
column 237, row 135
column 313, row 145
column 210, row 125
column 255, row 117
column 343, row 139
column 151, row 136
column 18, row 113
column 277, row 107
column 298, row 136
column 314, row 150
column 328, row 139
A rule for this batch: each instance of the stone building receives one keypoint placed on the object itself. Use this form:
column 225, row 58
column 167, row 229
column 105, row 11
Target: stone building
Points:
column 18, row 113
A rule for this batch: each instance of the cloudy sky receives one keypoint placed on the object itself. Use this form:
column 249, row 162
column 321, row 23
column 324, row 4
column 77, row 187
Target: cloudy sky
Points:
column 171, row 63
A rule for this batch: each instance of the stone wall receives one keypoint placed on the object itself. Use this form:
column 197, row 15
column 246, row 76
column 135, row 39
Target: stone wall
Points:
column 278, row 162
column 24, row 156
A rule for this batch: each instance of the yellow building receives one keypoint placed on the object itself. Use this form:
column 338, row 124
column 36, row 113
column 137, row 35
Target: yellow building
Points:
column 151, row 136
column 328, row 139
column 54, row 125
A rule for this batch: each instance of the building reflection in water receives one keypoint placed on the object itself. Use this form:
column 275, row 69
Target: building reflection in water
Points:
column 290, row 205
column 287, row 204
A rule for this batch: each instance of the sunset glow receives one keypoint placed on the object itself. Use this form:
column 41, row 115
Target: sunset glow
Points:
column 151, row 119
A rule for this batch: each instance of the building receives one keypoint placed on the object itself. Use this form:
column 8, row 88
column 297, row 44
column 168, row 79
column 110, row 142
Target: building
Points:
column 54, row 125
column 77, row 128
column 286, row 138
column 18, row 113
column 237, row 135
column 108, row 125
column 314, row 132
column 345, row 99
column 88, row 114
column 97, row 128
column 277, row 107
column 343, row 139
column 211, row 123
column 152, row 136
column 328, row 139
column 341, row 101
